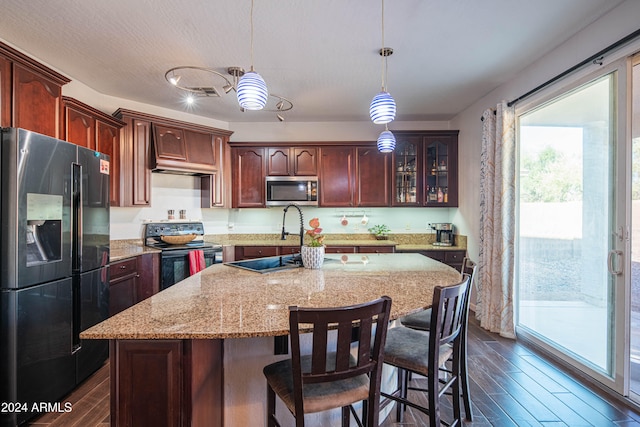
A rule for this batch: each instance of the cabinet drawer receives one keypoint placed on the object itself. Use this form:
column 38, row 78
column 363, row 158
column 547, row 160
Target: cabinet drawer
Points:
column 376, row 249
column 259, row 251
column 437, row 255
column 340, row 249
column 453, row 257
column 288, row 250
column 122, row 268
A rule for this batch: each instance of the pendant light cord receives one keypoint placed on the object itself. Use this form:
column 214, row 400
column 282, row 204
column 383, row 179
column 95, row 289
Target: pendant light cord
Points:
column 251, row 26
column 382, row 51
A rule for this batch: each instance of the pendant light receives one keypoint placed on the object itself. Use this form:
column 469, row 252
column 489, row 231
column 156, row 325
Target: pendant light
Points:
column 383, row 106
column 252, row 90
column 386, row 141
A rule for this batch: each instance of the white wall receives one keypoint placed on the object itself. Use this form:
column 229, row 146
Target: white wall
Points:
column 612, row 27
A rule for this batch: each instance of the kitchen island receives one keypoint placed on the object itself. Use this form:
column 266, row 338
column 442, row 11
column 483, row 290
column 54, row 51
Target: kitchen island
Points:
column 193, row 353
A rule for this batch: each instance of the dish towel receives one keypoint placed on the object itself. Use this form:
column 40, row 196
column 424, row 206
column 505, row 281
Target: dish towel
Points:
column 196, row 261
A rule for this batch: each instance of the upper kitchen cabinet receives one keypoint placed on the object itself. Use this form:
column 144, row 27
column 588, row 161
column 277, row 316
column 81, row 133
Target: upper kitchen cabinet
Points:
column 248, row 177
column 159, row 144
column 135, row 175
column 30, row 94
column 336, row 176
column 407, row 171
column 184, row 150
column 93, row 129
column 425, row 169
column 441, row 169
column 353, row 176
column 372, row 177
column 292, row 161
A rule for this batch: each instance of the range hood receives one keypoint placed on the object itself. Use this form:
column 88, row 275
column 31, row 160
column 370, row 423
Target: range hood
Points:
column 183, row 151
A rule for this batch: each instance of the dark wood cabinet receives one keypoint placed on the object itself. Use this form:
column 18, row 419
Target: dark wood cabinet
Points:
column 407, row 171
column 183, row 380
column 250, row 252
column 452, row 258
column 139, row 176
column 248, row 177
column 30, row 94
column 123, row 285
column 133, row 280
column 5, row 91
column 93, row 129
column 425, row 169
column 376, row 249
column 441, row 170
column 292, row 161
column 372, row 177
column 330, row 249
column 180, row 147
column 185, row 150
column 353, row 176
column 169, row 143
column 336, row 176
column 79, row 125
column 36, row 102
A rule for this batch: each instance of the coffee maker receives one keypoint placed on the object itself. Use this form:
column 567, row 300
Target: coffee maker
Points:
column 444, row 233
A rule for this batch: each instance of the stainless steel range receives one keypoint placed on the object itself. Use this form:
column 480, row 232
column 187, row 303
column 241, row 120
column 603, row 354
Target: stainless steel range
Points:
column 175, row 259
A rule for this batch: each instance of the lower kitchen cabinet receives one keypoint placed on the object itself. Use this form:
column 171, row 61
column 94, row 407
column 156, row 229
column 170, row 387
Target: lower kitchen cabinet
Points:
column 151, row 371
column 249, row 252
column 452, row 258
column 133, row 280
column 376, row 249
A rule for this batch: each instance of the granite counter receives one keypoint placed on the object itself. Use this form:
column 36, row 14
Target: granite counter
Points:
column 227, row 302
column 193, row 354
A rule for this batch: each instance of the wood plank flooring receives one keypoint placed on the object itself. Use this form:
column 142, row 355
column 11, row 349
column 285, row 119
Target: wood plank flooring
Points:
column 511, row 385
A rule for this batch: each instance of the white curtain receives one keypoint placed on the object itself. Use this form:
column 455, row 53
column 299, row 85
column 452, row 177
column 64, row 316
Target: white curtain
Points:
column 494, row 308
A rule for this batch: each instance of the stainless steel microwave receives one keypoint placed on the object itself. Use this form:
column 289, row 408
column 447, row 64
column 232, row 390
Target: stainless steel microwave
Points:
column 282, row 190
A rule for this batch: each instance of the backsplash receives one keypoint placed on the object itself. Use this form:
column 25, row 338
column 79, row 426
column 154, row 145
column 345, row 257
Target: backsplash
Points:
column 183, row 192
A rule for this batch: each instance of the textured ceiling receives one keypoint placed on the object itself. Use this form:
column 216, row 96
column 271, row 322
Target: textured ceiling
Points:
column 320, row 54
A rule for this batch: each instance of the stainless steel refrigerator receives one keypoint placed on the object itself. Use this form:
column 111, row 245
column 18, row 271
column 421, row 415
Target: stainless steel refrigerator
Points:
column 54, row 253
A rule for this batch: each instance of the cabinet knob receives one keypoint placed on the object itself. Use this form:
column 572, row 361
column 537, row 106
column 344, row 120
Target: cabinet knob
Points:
column 122, row 267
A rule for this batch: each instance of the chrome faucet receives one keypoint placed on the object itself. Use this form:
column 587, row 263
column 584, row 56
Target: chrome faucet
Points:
column 284, row 234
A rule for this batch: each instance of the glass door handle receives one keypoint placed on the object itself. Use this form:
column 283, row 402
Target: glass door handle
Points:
column 610, row 265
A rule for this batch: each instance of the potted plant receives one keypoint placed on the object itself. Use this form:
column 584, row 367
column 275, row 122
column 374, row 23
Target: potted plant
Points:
column 313, row 253
column 381, row 231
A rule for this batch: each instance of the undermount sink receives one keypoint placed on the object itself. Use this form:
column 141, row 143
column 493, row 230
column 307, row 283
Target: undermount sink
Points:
column 269, row 264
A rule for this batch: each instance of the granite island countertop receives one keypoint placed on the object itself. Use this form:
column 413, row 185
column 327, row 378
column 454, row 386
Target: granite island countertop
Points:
column 227, row 302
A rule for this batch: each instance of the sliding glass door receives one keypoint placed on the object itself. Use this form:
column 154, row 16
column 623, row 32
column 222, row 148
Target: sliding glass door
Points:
column 634, row 311
column 570, row 234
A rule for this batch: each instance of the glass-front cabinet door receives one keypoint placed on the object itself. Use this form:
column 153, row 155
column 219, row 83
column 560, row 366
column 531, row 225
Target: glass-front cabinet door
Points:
column 439, row 172
column 407, row 171
column 440, row 177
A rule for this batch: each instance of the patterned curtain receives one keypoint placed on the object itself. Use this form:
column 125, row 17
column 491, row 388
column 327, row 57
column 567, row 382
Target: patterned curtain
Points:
column 494, row 308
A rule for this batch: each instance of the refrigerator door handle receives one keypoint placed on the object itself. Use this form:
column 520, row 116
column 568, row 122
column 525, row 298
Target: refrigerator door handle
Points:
column 76, row 252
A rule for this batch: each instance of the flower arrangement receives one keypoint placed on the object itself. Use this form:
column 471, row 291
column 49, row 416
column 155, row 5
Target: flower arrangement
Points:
column 314, row 233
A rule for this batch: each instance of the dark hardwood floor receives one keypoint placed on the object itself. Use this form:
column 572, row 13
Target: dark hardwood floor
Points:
column 511, row 385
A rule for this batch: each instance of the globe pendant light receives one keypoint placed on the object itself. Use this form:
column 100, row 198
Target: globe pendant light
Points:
column 252, row 90
column 383, row 106
column 386, row 141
